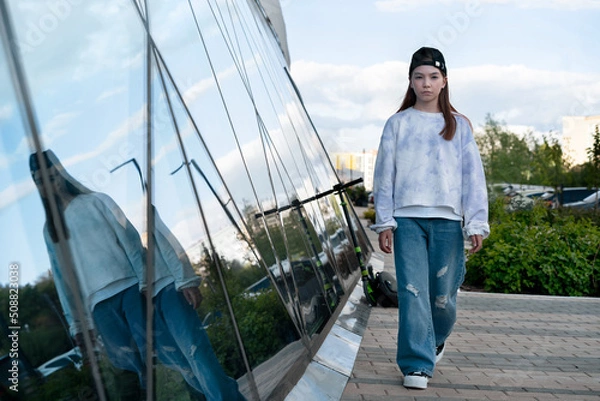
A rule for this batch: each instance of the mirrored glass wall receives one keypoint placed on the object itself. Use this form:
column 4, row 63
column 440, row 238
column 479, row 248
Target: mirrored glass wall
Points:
column 170, row 223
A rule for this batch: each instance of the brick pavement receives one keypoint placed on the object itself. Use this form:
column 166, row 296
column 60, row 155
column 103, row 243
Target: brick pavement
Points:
column 504, row 347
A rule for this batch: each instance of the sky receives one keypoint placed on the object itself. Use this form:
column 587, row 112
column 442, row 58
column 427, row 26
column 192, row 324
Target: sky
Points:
column 525, row 63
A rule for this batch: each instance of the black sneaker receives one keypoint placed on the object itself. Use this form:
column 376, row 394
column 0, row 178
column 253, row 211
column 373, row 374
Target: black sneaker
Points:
column 439, row 352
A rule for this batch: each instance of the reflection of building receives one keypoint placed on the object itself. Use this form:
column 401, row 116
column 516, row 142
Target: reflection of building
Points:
column 578, row 134
column 350, row 166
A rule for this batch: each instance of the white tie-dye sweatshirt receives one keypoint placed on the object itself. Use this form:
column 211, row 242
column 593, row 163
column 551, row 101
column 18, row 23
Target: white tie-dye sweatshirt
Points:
column 419, row 174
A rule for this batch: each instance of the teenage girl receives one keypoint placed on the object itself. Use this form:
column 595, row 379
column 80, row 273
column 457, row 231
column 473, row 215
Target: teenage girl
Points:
column 429, row 191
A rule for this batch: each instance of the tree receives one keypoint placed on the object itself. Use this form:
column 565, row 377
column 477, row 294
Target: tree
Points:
column 548, row 165
column 522, row 159
column 505, row 156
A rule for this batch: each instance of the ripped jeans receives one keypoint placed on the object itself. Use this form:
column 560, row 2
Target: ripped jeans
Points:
column 120, row 323
column 430, row 267
column 183, row 345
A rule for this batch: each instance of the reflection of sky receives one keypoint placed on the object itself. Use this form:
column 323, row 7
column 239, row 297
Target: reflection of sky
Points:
column 87, row 80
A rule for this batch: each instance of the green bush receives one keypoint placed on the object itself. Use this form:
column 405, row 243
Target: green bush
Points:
column 358, row 195
column 369, row 214
column 538, row 251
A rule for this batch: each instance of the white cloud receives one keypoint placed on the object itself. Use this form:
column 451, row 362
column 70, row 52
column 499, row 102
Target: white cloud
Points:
column 407, row 5
column 110, row 93
column 57, row 126
column 351, row 93
column 14, row 192
column 6, row 112
column 350, row 104
column 355, row 138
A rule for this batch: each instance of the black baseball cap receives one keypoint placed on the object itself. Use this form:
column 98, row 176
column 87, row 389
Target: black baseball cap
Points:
column 427, row 56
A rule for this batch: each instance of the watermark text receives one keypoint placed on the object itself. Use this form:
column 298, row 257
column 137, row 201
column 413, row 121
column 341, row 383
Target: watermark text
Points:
column 13, row 325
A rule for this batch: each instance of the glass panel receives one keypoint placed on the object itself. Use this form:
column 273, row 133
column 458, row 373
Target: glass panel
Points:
column 73, row 71
column 38, row 339
column 245, row 219
column 336, row 242
column 183, row 168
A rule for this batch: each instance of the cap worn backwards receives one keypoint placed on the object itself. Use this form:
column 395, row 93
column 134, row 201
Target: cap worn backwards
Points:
column 427, row 56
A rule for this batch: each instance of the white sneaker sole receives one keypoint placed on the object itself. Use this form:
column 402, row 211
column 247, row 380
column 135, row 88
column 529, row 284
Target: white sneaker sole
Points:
column 439, row 356
column 418, row 382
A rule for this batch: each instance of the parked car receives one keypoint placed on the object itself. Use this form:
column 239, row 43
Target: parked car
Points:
column 568, row 195
column 590, row 202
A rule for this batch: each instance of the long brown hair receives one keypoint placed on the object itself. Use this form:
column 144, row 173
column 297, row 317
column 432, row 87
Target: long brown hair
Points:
column 74, row 187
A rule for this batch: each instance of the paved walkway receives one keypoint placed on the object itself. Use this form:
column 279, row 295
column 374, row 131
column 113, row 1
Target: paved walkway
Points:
column 504, row 347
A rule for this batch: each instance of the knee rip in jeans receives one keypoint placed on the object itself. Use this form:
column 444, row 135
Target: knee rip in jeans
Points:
column 193, row 350
column 126, row 349
column 414, row 290
column 169, row 349
column 441, row 301
column 442, row 271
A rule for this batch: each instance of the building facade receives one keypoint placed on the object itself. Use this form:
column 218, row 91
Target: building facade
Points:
column 170, row 225
column 578, row 136
column 350, row 166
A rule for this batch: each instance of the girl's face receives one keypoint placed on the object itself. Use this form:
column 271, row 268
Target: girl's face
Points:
column 427, row 82
column 56, row 180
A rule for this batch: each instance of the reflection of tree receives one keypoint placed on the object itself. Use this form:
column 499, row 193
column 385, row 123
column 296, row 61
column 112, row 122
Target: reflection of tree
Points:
column 294, row 234
column 264, row 324
column 333, row 223
column 237, row 275
column 42, row 335
column 66, row 384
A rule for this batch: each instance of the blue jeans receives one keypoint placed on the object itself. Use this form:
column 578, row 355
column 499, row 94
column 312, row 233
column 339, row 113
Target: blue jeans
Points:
column 121, row 324
column 430, row 267
column 182, row 344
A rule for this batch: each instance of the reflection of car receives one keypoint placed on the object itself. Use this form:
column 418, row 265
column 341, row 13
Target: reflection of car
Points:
column 339, row 241
column 70, row 358
column 303, row 264
column 314, row 311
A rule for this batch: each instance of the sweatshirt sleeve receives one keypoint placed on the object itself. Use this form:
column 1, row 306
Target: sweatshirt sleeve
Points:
column 174, row 255
column 127, row 236
column 64, row 291
column 474, row 189
column 384, row 178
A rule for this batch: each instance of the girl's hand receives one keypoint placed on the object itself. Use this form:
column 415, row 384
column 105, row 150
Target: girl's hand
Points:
column 80, row 342
column 192, row 296
column 385, row 241
column 476, row 242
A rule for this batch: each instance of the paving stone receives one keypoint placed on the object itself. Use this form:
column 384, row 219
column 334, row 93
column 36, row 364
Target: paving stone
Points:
column 503, row 347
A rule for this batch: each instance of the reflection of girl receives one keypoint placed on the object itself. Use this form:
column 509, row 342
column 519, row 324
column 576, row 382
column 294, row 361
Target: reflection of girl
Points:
column 107, row 260
column 109, row 265
column 180, row 339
